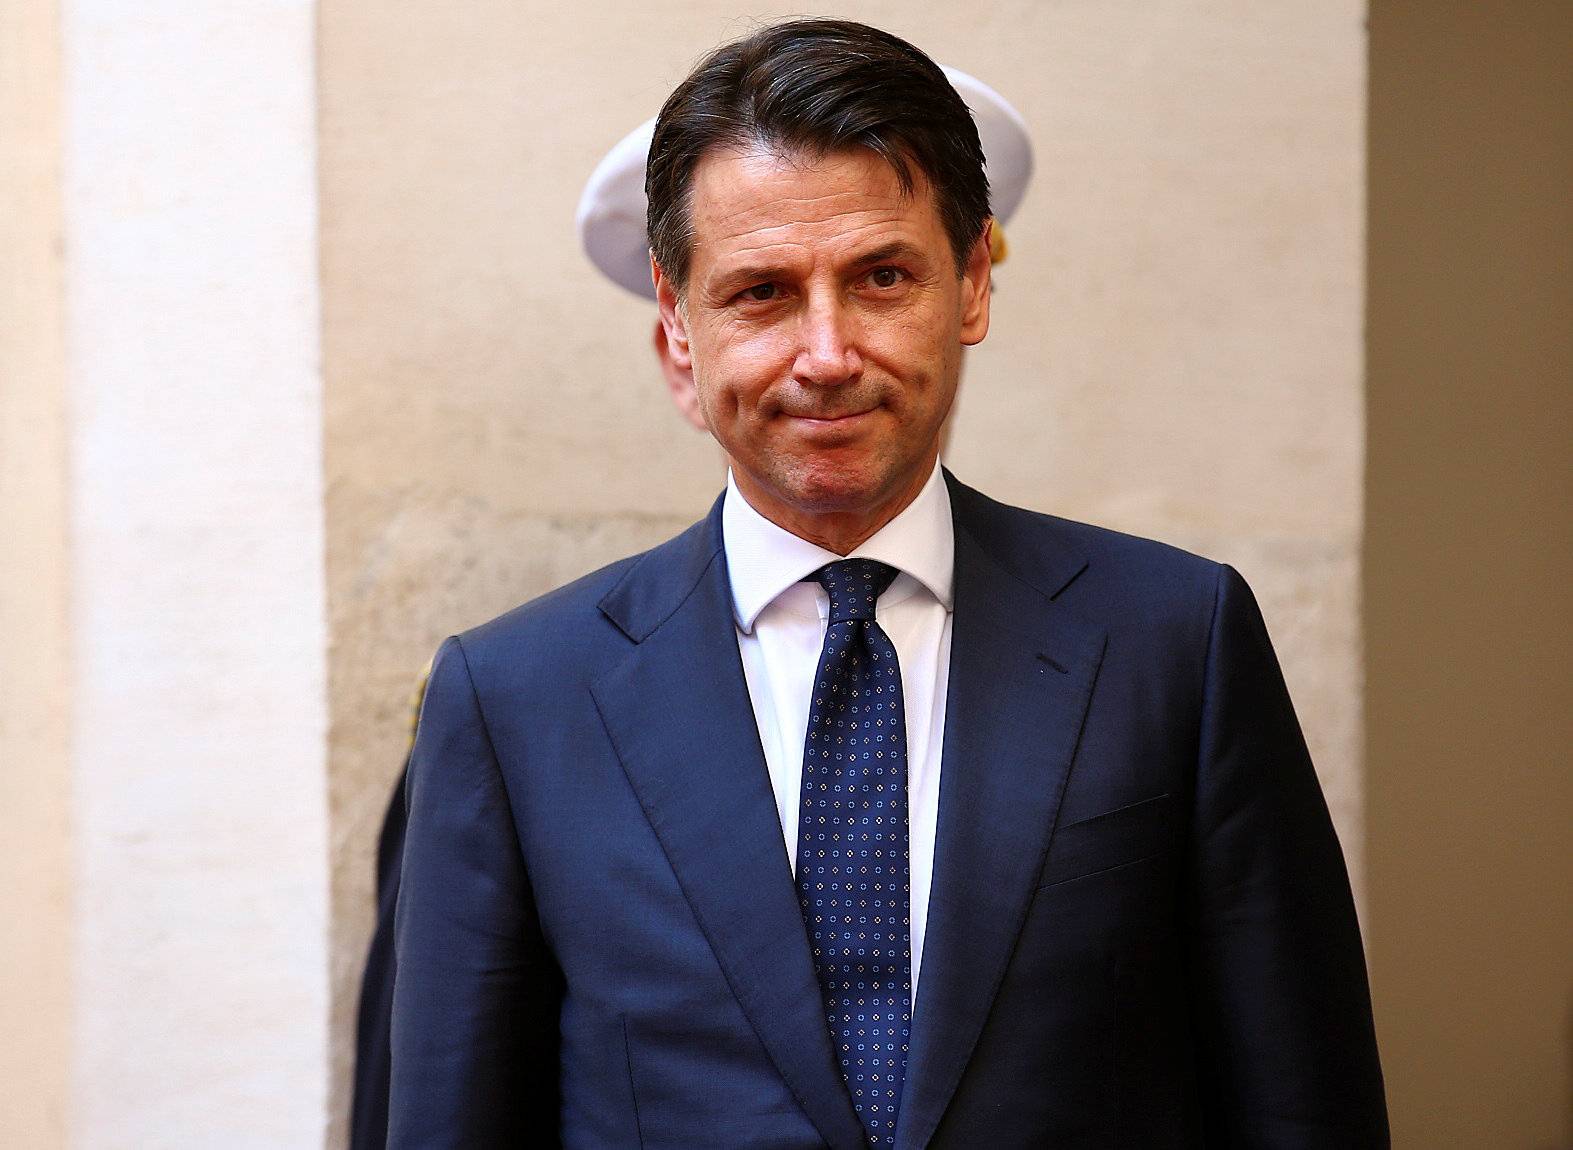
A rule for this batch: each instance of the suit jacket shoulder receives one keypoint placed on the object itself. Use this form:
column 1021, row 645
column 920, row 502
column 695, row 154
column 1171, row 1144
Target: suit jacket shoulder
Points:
column 1106, row 576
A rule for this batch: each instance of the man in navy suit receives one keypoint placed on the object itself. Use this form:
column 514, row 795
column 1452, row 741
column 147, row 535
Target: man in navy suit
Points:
column 1089, row 895
column 611, row 225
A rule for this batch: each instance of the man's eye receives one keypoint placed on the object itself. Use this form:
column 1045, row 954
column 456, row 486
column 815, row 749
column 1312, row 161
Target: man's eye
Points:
column 885, row 277
column 760, row 293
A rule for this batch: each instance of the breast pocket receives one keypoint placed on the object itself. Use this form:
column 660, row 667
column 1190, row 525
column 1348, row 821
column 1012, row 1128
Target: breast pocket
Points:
column 1113, row 839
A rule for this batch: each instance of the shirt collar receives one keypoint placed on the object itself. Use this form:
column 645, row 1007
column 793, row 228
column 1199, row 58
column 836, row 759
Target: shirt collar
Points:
column 764, row 559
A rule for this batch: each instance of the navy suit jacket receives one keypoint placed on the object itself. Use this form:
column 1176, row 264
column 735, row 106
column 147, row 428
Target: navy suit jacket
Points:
column 1140, row 931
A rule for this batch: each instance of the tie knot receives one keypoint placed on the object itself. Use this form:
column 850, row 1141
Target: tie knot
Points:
column 854, row 586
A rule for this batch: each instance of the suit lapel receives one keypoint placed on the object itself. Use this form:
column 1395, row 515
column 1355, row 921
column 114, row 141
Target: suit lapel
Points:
column 679, row 715
column 1021, row 676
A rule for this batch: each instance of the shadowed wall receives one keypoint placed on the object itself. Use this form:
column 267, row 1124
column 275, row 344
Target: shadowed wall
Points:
column 1469, row 570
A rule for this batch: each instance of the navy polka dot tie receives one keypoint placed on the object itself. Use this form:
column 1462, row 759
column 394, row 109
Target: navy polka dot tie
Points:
column 852, row 873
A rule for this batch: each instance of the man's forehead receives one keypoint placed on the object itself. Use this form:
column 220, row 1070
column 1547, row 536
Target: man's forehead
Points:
column 763, row 195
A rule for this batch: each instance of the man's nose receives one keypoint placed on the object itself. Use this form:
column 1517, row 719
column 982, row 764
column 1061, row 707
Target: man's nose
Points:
column 827, row 343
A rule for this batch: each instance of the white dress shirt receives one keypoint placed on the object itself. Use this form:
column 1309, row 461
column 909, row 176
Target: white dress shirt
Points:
column 781, row 625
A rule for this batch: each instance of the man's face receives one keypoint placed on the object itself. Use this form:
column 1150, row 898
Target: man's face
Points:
column 823, row 321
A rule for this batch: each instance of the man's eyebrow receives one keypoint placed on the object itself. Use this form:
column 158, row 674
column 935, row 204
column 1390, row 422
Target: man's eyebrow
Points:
column 896, row 250
column 746, row 274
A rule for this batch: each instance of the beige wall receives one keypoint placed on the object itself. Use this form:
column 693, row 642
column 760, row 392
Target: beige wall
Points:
column 35, row 780
column 1469, row 570
column 1176, row 347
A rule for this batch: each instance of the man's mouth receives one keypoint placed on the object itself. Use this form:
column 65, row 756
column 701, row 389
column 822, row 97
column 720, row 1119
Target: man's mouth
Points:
column 829, row 419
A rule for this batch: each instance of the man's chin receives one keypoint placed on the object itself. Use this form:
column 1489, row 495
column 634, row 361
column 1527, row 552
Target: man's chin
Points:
column 831, row 488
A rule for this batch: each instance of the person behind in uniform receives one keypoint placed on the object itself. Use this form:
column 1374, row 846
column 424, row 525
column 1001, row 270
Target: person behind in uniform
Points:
column 868, row 811
column 611, row 226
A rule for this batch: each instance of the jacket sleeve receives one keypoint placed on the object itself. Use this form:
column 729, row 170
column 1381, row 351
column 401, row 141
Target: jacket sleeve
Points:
column 1288, row 1050
column 476, row 997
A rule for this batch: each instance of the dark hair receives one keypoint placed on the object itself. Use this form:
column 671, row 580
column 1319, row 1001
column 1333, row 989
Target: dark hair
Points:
column 816, row 87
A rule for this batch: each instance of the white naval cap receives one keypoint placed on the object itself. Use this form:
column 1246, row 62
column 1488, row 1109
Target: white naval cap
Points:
column 611, row 215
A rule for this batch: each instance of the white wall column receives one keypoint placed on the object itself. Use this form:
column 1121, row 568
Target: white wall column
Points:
column 199, row 762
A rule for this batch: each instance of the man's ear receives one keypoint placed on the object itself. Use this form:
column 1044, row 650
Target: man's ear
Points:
column 976, row 288
column 673, row 323
column 679, row 380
